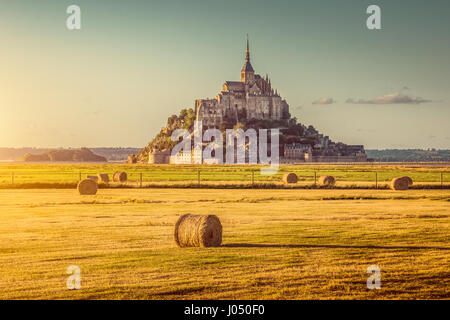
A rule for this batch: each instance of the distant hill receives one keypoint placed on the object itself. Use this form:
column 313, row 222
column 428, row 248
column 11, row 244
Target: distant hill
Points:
column 111, row 154
column 77, row 155
column 408, row 155
column 115, row 154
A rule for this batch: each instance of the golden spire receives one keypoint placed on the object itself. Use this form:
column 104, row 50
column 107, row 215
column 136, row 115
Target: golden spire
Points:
column 247, row 70
column 247, row 54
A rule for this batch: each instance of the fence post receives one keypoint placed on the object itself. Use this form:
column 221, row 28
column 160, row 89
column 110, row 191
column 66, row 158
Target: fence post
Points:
column 79, row 176
column 315, row 178
column 253, row 177
column 376, row 180
column 198, row 176
column 12, row 177
column 442, row 180
column 140, row 180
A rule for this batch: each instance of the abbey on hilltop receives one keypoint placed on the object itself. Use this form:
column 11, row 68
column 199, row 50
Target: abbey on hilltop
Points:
column 251, row 98
column 251, row 103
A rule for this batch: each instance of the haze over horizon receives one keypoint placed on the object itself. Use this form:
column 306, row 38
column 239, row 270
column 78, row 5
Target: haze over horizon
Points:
column 133, row 64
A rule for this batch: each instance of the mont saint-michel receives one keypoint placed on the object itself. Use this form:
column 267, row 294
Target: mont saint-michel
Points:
column 251, row 103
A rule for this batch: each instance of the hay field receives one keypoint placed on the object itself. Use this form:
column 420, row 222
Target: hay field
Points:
column 277, row 244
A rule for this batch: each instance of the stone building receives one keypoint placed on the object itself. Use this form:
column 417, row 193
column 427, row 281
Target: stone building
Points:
column 251, row 98
column 159, row 156
column 192, row 156
column 165, row 157
column 296, row 151
column 323, row 151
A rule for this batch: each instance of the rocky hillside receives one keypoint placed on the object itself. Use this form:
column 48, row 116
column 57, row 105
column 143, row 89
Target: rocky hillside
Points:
column 185, row 120
column 291, row 131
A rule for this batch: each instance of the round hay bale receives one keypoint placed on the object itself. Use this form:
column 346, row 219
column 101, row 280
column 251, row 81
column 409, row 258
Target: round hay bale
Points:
column 399, row 183
column 290, row 178
column 198, row 231
column 87, row 187
column 410, row 181
column 93, row 178
column 103, row 177
column 327, row 181
column 120, row 176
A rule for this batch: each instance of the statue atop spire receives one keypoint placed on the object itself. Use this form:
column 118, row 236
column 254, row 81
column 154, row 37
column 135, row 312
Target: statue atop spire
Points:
column 247, row 54
column 247, row 71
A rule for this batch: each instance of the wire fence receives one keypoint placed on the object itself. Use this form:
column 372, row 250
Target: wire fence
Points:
column 229, row 175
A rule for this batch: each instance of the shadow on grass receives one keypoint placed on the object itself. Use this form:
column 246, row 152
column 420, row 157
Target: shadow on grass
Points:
column 330, row 246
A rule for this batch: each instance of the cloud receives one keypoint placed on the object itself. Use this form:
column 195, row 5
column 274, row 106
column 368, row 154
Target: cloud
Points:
column 324, row 101
column 393, row 98
column 431, row 136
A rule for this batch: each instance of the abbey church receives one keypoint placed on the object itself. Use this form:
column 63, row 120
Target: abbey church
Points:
column 251, row 98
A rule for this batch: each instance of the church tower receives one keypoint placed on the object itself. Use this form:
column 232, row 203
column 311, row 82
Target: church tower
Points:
column 247, row 72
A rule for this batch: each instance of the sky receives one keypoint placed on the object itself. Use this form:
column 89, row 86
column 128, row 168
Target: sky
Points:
column 134, row 63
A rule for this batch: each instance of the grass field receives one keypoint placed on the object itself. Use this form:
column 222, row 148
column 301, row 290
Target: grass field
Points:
column 33, row 175
column 277, row 244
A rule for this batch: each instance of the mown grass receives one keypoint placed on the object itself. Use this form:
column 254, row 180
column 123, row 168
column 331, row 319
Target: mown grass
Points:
column 220, row 185
column 277, row 244
column 34, row 175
